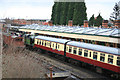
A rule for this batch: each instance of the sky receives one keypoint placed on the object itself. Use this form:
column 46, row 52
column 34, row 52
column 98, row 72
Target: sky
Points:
column 42, row 9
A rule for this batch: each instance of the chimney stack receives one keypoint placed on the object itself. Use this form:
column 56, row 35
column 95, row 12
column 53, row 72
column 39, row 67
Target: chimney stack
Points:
column 50, row 23
column 85, row 23
column 70, row 23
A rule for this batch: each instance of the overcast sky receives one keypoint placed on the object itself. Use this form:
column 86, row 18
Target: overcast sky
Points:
column 42, row 9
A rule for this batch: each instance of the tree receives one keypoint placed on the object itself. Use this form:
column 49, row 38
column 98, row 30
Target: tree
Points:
column 63, row 15
column 62, row 12
column 70, row 11
column 53, row 13
column 92, row 20
column 98, row 20
column 58, row 11
column 79, row 13
column 55, row 17
column 76, row 13
column 116, row 13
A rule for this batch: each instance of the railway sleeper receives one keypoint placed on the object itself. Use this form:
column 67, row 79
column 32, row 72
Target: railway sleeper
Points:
column 111, row 74
column 73, row 61
column 99, row 70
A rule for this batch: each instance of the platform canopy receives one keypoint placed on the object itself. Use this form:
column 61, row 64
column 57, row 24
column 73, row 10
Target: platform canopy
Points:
column 109, row 32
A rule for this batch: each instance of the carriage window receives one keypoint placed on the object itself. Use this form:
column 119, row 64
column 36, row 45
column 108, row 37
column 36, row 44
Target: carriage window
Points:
column 118, row 62
column 102, row 54
column 58, row 46
column 67, row 49
column 53, row 44
column 50, row 44
column 110, row 59
column 110, row 56
column 85, row 53
column 102, row 57
column 45, row 43
column 95, row 55
column 118, row 57
column 75, row 50
column 80, row 52
column 40, row 42
column 90, row 54
column 70, row 49
column 37, row 42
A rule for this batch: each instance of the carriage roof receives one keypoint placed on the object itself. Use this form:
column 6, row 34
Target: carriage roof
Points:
column 52, row 39
column 95, row 47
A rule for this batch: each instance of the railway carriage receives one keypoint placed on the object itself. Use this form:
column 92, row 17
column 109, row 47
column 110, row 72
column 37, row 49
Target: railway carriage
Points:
column 101, row 57
column 50, row 44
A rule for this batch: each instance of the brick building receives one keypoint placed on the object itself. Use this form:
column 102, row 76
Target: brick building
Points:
column 105, row 23
column 19, row 21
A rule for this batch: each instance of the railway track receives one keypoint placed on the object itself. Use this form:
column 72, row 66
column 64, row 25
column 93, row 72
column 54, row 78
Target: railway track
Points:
column 49, row 63
column 59, row 66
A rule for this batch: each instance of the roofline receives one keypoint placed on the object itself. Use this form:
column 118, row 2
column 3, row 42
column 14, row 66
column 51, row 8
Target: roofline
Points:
column 77, row 33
